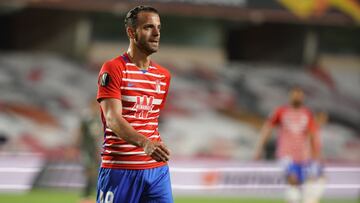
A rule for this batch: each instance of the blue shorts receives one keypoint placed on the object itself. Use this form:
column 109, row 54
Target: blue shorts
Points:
column 304, row 171
column 298, row 170
column 134, row 186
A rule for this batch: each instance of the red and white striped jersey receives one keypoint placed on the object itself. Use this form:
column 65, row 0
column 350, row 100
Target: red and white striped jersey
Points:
column 143, row 94
column 295, row 124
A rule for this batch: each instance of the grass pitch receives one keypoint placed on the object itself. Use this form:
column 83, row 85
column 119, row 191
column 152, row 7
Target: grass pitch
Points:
column 60, row 196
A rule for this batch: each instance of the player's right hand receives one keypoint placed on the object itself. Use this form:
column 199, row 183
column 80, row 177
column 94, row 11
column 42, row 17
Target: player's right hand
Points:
column 158, row 151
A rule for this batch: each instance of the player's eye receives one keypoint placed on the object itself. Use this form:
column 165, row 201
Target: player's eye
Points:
column 148, row 27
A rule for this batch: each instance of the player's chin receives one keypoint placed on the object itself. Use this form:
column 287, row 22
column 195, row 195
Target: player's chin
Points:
column 154, row 47
column 151, row 51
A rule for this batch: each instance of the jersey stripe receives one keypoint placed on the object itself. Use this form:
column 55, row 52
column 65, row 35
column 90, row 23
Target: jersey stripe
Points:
column 113, row 137
column 146, row 131
column 144, row 124
column 128, row 162
column 132, row 64
column 144, row 73
column 143, row 81
column 125, row 153
column 118, row 138
column 154, row 136
column 120, row 145
column 142, row 89
column 132, row 116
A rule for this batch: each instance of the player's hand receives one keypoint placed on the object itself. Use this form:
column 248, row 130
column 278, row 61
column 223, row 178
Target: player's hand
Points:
column 157, row 150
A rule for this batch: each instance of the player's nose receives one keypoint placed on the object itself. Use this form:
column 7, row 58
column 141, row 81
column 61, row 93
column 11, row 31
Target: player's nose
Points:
column 156, row 32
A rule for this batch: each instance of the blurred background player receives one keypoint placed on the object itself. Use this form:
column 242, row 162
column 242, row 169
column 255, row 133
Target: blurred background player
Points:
column 296, row 129
column 132, row 90
column 315, row 182
column 89, row 142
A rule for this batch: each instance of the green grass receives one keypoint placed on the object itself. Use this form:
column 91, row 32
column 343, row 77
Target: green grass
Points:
column 245, row 200
column 223, row 200
column 41, row 196
column 60, row 196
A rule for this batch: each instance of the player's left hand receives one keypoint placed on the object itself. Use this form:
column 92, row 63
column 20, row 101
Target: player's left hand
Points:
column 158, row 151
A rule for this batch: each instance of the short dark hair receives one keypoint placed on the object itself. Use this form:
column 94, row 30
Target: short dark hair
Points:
column 296, row 88
column 131, row 16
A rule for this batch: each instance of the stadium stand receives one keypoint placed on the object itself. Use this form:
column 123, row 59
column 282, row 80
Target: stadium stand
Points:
column 45, row 93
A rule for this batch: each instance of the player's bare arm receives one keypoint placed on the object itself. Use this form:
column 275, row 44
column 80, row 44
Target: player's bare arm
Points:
column 315, row 153
column 264, row 137
column 112, row 109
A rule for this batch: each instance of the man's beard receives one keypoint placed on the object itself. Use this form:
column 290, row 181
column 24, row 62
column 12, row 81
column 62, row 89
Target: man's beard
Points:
column 296, row 103
column 144, row 46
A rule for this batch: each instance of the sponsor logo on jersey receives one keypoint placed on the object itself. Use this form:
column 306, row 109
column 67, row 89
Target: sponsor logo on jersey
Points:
column 143, row 105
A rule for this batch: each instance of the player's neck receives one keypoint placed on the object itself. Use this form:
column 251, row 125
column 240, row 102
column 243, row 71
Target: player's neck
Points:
column 139, row 58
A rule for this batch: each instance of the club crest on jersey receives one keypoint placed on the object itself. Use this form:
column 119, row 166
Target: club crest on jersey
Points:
column 143, row 105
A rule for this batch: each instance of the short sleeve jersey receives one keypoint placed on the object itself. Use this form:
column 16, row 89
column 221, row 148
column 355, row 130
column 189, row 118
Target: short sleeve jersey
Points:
column 143, row 94
column 294, row 124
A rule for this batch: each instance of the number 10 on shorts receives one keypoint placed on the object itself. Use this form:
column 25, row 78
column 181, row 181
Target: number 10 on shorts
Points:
column 109, row 197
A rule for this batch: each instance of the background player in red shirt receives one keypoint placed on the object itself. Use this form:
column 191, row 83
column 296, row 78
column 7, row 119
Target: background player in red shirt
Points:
column 296, row 131
column 132, row 90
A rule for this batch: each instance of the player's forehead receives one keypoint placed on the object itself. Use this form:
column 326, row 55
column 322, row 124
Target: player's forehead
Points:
column 296, row 91
column 147, row 17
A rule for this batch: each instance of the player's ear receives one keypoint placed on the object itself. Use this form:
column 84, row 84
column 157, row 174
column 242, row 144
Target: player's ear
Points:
column 130, row 32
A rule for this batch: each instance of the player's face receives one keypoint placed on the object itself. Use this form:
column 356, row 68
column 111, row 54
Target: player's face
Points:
column 296, row 97
column 147, row 35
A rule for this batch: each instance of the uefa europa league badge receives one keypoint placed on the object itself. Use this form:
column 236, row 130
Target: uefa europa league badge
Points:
column 104, row 79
